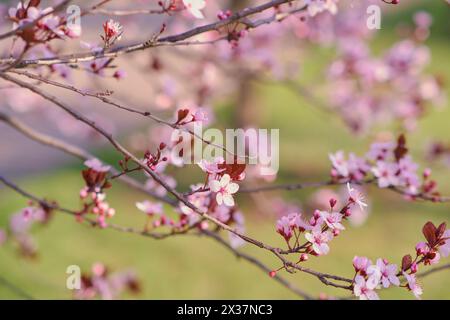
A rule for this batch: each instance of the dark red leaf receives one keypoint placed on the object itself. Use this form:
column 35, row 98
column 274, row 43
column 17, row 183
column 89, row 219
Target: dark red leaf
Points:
column 429, row 232
column 406, row 262
column 401, row 150
column 234, row 170
column 182, row 114
column 440, row 230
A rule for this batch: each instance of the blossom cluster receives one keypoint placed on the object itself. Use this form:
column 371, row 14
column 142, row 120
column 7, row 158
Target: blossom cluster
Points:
column 48, row 27
column 369, row 277
column 20, row 225
column 367, row 90
column 113, row 31
column 389, row 164
column 320, row 228
column 214, row 197
column 106, row 285
column 93, row 195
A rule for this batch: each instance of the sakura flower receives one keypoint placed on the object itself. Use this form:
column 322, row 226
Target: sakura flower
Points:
column 319, row 240
column 33, row 213
column 388, row 273
column 333, row 220
column 199, row 116
column 356, row 197
column 195, row 7
column 422, row 248
column 200, row 200
column 373, row 276
column 445, row 248
column 361, row 289
column 339, row 163
column 296, row 221
column 150, row 208
column 284, row 227
column 357, row 167
column 97, row 165
column 211, row 167
column 113, row 31
column 361, row 263
column 386, row 174
column 380, row 150
column 318, row 6
column 224, row 190
column 413, row 286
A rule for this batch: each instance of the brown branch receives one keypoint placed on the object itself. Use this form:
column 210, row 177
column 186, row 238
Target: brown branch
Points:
column 155, row 42
column 299, row 186
column 159, row 236
column 434, row 270
column 121, row 106
column 256, row 262
column 34, row 22
column 12, row 287
column 76, row 152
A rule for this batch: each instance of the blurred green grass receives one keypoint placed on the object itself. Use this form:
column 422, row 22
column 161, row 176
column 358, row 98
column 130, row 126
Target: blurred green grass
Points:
column 198, row 268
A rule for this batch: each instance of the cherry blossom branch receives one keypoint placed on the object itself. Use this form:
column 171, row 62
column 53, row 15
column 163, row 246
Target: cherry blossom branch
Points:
column 299, row 186
column 34, row 22
column 18, row 291
column 108, row 12
column 154, row 42
column 434, row 270
column 76, row 152
column 107, row 101
column 255, row 262
column 160, row 236
column 276, row 251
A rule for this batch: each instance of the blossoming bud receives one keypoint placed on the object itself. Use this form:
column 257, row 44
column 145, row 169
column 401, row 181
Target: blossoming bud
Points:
column 272, row 274
column 414, row 267
column 426, row 173
column 332, row 202
column 304, row 257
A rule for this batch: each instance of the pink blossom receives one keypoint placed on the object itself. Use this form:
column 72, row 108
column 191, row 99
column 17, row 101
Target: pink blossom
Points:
column 423, row 19
column 422, row 248
column 386, row 174
column 339, row 163
column 199, row 116
column 361, row 263
column 224, row 190
column 211, row 167
column 150, row 208
column 380, row 150
column 388, row 273
column 413, row 285
column 199, row 199
column 356, row 197
column 445, row 248
column 296, row 221
column 284, row 227
column 113, row 31
column 195, row 7
column 319, row 240
column 318, row 6
column 362, row 290
column 373, row 272
column 357, row 167
column 333, row 220
column 97, row 165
